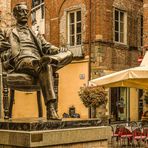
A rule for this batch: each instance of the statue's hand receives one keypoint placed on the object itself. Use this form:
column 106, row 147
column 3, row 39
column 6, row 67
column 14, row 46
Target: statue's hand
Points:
column 63, row 49
column 54, row 50
column 4, row 46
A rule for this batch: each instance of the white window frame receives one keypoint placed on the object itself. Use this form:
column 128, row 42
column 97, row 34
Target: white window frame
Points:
column 39, row 7
column 41, row 22
column 119, row 23
column 41, row 3
column 75, row 28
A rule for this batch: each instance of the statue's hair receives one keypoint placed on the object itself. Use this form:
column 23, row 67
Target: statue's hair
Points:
column 16, row 7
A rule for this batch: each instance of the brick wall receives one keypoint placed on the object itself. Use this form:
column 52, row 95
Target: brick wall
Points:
column 5, row 13
column 105, row 54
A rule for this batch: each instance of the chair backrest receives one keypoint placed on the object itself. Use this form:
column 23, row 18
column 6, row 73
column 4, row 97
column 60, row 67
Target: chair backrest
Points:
column 123, row 130
column 145, row 131
column 137, row 132
column 133, row 123
column 115, row 129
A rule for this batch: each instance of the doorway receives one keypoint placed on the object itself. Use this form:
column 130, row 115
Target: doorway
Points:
column 119, row 103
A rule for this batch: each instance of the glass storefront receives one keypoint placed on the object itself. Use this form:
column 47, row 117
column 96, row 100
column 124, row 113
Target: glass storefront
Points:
column 119, row 103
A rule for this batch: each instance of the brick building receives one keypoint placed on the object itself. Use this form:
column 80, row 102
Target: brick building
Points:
column 105, row 36
column 116, row 41
column 5, row 13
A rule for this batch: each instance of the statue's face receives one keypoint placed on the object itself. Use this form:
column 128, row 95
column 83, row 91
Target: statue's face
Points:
column 21, row 14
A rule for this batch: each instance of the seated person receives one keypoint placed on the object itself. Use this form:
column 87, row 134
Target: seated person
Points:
column 23, row 52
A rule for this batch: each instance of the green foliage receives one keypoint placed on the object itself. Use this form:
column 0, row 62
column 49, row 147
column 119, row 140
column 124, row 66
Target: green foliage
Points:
column 93, row 96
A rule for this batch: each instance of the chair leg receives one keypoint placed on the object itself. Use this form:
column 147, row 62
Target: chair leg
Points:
column 5, row 96
column 11, row 102
column 39, row 101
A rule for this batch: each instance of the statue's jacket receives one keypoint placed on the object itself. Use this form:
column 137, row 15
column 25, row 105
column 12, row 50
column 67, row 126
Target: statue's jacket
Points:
column 12, row 36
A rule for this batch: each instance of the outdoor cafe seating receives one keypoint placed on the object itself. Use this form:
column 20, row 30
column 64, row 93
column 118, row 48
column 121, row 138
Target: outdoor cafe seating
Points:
column 130, row 134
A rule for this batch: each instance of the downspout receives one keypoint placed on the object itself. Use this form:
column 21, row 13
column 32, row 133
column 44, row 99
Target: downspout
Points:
column 89, row 50
column 89, row 54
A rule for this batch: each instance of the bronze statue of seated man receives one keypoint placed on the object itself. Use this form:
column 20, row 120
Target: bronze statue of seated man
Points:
column 24, row 52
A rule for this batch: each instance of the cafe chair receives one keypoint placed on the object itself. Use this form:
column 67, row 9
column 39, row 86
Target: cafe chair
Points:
column 125, row 136
column 138, row 136
column 145, row 133
column 115, row 135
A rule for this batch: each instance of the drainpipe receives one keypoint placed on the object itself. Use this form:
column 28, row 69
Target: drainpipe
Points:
column 89, row 52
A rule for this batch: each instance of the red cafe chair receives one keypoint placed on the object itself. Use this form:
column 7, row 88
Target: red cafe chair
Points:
column 125, row 136
column 138, row 136
column 115, row 134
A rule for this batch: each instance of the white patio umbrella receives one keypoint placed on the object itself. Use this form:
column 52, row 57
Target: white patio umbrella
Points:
column 136, row 77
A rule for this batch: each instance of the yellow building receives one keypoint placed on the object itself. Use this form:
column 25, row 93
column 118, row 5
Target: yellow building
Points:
column 71, row 78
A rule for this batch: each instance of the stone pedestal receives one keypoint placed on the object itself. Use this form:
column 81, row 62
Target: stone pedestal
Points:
column 53, row 134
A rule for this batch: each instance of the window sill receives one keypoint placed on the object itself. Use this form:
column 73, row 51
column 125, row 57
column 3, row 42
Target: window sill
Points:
column 118, row 44
column 80, row 61
column 75, row 46
column 77, row 52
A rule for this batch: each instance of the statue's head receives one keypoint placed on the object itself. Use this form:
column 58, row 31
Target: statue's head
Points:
column 20, row 12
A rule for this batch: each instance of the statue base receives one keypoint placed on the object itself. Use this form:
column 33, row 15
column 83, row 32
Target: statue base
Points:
column 37, row 124
column 52, row 134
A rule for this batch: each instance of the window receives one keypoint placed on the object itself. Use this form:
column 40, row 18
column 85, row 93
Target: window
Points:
column 38, row 14
column 36, row 3
column 37, row 9
column 119, row 26
column 74, row 26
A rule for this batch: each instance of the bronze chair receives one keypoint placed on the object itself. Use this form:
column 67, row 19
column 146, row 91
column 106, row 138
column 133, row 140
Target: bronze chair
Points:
column 21, row 82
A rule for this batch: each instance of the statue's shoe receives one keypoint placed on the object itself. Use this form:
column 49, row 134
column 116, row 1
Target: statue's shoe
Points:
column 51, row 113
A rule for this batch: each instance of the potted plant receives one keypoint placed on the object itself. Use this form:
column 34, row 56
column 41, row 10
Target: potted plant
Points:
column 92, row 97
